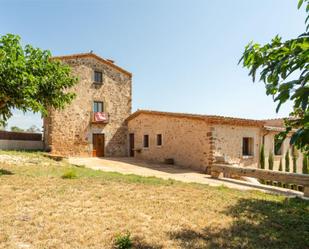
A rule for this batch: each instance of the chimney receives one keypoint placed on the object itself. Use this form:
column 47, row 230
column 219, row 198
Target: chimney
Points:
column 111, row 61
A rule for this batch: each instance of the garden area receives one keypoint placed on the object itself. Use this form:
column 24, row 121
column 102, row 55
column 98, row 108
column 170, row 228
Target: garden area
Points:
column 52, row 204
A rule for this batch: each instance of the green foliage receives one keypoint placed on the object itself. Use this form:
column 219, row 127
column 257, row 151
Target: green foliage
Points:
column 295, row 156
column 305, row 165
column 262, row 157
column 30, row 80
column 3, row 126
column 283, row 67
column 123, row 241
column 294, row 159
column 33, row 129
column 69, row 174
column 16, row 129
column 287, row 161
column 270, row 161
column 280, row 165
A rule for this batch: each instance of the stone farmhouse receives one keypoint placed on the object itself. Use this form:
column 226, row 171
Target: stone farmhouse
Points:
column 99, row 123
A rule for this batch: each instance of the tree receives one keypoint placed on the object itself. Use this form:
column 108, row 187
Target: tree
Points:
column 295, row 156
column 3, row 126
column 262, row 157
column 287, row 161
column 16, row 129
column 270, row 161
column 33, row 129
column 30, row 80
column 280, row 165
column 283, row 66
column 305, row 165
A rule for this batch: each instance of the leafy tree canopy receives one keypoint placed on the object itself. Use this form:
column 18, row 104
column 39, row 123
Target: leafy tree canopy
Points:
column 16, row 128
column 30, row 80
column 284, row 68
column 33, row 129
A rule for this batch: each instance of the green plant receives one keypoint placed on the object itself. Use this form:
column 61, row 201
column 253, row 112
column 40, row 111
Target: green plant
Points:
column 30, row 80
column 280, row 165
column 123, row 241
column 270, row 161
column 69, row 174
column 262, row 157
column 287, row 161
column 276, row 64
column 295, row 156
column 305, row 169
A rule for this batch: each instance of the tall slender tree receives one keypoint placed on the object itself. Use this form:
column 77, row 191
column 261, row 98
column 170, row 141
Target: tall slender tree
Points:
column 287, row 161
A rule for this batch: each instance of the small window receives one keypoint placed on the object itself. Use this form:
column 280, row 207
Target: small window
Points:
column 277, row 149
column 98, row 77
column 146, row 141
column 98, row 106
column 247, row 146
column 159, row 139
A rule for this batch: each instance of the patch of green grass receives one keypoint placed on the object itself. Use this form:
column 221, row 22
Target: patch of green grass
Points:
column 69, row 174
column 123, row 241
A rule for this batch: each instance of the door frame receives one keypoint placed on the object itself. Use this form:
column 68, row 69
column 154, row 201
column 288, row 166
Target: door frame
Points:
column 131, row 145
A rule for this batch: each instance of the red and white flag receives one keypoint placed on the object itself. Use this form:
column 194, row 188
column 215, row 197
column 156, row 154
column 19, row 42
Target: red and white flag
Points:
column 100, row 117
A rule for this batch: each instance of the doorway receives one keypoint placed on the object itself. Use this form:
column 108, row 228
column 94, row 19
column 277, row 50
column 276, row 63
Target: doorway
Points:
column 98, row 141
column 131, row 142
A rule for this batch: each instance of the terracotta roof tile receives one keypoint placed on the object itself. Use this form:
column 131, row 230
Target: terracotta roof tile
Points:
column 208, row 118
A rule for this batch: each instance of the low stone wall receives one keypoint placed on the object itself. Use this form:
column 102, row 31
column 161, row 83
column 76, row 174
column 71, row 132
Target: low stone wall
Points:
column 20, row 145
column 20, row 141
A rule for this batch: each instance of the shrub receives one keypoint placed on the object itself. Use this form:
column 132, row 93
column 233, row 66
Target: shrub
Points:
column 262, row 157
column 287, row 161
column 305, row 165
column 69, row 174
column 280, row 165
column 270, row 161
column 123, row 241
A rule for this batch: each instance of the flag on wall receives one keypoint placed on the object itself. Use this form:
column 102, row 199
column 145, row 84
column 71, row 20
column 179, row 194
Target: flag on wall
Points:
column 100, row 117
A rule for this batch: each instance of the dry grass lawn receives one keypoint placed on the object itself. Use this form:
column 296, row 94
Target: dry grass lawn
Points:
column 39, row 209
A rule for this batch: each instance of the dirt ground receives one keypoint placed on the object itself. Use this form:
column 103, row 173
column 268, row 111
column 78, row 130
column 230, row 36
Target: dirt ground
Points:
column 39, row 209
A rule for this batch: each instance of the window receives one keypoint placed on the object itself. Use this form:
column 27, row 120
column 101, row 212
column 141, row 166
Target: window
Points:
column 277, row 149
column 98, row 77
column 98, row 106
column 146, row 141
column 159, row 139
column 247, row 146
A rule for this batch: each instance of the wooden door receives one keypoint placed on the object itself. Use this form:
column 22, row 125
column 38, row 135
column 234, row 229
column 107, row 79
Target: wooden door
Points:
column 131, row 142
column 98, row 145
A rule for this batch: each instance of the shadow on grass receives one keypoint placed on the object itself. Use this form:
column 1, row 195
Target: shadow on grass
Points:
column 5, row 172
column 256, row 224
column 140, row 243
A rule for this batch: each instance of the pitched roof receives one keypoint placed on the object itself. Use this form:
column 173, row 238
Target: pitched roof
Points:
column 92, row 55
column 208, row 118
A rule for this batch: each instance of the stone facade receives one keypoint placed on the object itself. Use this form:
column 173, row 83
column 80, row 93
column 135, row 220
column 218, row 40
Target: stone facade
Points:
column 229, row 142
column 184, row 140
column 194, row 141
column 198, row 141
column 70, row 131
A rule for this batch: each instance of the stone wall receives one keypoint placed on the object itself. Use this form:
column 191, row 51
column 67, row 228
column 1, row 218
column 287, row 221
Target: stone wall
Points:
column 194, row 142
column 228, row 141
column 20, row 145
column 185, row 140
column 69, row 131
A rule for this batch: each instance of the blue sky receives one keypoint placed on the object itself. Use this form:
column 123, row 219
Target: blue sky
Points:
column 183, row 54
